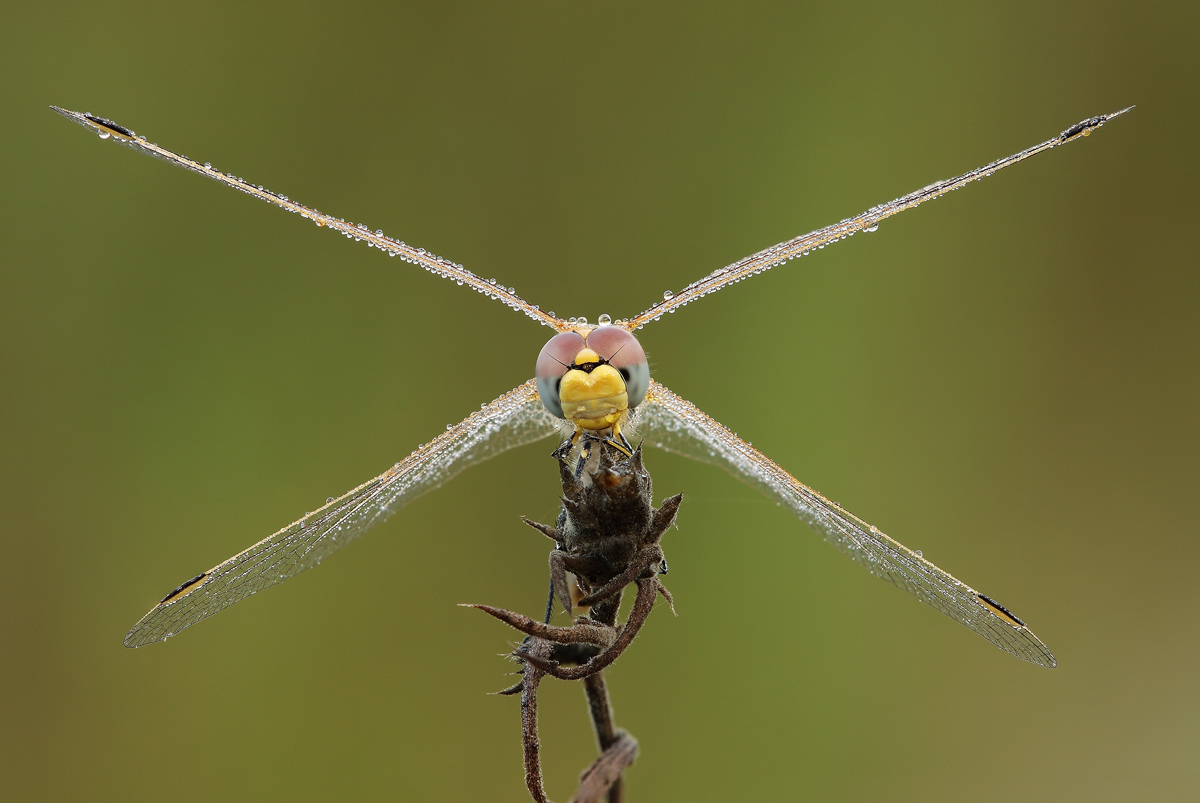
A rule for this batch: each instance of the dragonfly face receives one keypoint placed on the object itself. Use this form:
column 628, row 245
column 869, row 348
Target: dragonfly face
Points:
column 593, row 377
column 597, row 379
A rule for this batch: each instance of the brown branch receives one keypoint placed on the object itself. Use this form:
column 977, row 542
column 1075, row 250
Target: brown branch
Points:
column 607, row 536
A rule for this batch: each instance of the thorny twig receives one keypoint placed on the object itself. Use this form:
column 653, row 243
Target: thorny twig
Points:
column 607, row 536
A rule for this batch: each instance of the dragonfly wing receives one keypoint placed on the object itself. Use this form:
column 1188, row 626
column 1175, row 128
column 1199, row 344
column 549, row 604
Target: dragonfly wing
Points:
column 675, row 425
column 121, row 135
column 514, row 419
column 867, row 221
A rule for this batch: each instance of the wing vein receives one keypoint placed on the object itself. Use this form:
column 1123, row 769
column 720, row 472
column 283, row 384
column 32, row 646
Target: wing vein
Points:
column 675, row 425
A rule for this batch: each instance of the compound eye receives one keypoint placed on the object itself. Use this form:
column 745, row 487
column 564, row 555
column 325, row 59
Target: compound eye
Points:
column 623, row 351
column 552, row 363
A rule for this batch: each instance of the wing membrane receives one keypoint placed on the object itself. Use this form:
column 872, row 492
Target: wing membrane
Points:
column 514, row 419
column 867, row 221
column 675, row 425
column 107, row 129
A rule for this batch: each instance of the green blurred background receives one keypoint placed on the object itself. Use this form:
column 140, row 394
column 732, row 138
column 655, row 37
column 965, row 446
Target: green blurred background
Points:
column 1007, row 379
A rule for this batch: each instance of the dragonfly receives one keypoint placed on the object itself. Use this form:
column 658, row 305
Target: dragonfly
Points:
column 607, row 394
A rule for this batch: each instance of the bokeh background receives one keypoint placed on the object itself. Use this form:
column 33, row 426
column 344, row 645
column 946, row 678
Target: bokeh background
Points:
column 1006, row 379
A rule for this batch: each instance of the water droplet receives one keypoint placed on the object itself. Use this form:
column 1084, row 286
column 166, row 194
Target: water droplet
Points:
column 581, row 320
column 379, row 232
column 920, row 554
column 328, row 500
column 872, row 228
column 604, row 319
column 208, row 165
column 668, row 295
column 103, row 134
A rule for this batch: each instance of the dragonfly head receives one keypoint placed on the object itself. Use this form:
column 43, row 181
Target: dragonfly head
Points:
column 592, row 377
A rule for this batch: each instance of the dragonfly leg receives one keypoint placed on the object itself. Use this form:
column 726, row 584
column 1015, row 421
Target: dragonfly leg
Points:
column 589, row 453
column 563, row 449
column 622, row 445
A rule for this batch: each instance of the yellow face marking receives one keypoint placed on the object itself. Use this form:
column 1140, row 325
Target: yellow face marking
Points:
column 601, row 382
column 593, row 399
column 586, row 356
column 999, row 610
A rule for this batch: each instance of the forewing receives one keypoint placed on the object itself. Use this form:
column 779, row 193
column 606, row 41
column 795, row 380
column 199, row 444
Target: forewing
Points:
column 514, row 419
column 107, row 129
column 675, row 425
column 867, row 221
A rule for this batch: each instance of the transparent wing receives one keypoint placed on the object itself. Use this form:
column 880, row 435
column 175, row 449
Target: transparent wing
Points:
column 867, row 221
column 107, row 129
column 514, row 419
column 675, row 425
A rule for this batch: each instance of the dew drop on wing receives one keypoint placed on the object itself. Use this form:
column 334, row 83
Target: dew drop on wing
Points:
column 103, row 134
column 668, row 295
column 870, row 229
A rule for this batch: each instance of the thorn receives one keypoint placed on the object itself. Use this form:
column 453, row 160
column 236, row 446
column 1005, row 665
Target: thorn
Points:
column 499, row 613
column 544, row 529
column 515, row 689
column 662, row 589
column 537, row 662
column 664, row 517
